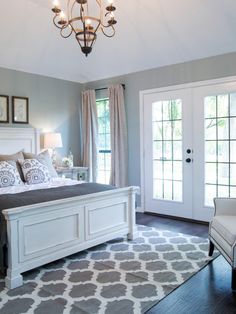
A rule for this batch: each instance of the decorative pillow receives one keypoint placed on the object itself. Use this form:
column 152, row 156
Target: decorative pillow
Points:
column 45, row 159
column 9, row 174
column 15, row 158
column 34, row 171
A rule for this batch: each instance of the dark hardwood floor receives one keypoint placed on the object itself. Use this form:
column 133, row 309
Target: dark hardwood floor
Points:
column 207, row 292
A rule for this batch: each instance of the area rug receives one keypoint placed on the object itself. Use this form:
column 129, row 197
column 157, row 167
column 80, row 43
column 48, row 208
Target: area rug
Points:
column 119, row 276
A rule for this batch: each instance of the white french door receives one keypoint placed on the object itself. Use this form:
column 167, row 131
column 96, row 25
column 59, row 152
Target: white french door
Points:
column 214, row 134
column 189, row 146
column 168, row 184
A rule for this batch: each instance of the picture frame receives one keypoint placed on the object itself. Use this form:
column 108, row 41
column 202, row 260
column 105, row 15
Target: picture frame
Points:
column 20, row 109
column 4, row 109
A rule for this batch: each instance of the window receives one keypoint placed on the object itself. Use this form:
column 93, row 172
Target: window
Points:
column 167, row 150
column 104, row 141
column 220, row 147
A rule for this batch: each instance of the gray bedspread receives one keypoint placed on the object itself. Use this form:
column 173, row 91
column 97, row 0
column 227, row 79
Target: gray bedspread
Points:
column 39, row 196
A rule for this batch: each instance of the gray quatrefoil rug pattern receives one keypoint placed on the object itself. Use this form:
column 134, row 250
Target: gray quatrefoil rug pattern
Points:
column 116, row 277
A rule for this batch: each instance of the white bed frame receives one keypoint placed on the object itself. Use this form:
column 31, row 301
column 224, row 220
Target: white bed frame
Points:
column 44, row 232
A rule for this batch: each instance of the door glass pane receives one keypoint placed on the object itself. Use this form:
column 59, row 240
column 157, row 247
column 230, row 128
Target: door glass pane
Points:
column 210, row 151
column 168, row 190
column 157, row 150
column 210, row 106
column 177, row 130
column 157, row 111
column 233, row 151
column 220, row 146
column 176, row 109
column 178, row 171
column 167, row 150
column 177, row 191
column 167, row 130
column 223, row 191
column 223, row 128
column 168, row 170
column 210, row 129
column 157, row 130
column 223, row 151
column 210, row 193
column 223, row 173
column 223, row 105
column 233, row 104
column 166, row 110
column 177, row 150
column 157, row 169
column 233, row 128
column 232, row 191
column 233, row 174
column 210, row 172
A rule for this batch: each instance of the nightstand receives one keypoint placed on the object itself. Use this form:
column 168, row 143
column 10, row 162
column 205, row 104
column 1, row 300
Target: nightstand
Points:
column 75, row 173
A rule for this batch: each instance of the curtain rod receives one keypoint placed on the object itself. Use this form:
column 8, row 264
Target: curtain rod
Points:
column 103, row 88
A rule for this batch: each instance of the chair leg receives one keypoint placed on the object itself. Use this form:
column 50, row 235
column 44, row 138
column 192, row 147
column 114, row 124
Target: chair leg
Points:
column 211, row 248
column 233, row 284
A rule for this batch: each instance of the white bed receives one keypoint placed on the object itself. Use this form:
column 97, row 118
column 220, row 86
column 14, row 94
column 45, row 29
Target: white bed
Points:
column 44, row 232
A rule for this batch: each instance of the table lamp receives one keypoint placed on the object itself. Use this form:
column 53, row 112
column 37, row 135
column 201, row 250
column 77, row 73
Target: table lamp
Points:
column 52, row 141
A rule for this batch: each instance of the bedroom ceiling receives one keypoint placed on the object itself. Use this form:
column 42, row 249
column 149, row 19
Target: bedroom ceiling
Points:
column 150, row 34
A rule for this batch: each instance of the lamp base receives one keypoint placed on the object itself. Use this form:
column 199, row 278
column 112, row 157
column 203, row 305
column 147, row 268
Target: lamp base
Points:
column 54, row 158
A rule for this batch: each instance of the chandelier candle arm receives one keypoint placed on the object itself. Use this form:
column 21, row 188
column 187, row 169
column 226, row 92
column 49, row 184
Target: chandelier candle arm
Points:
column 84, row 26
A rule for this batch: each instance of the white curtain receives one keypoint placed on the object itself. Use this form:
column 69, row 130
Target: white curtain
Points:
column 90, row 132
column 119, row 149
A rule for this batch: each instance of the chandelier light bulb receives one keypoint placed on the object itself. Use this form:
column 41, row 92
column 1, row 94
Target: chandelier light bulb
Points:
column 56, row 4
column 110, row 2
column 88, row 22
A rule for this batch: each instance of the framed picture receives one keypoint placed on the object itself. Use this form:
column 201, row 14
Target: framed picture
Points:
column 20, row 109
column 4, row 109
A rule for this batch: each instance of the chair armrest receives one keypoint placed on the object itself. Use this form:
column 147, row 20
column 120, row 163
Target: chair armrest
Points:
column 225, row 206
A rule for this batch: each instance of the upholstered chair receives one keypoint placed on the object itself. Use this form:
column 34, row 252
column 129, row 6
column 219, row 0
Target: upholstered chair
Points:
column 222, row 232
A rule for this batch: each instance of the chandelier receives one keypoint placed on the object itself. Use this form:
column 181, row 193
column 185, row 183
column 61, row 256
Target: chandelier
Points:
column 84, row 21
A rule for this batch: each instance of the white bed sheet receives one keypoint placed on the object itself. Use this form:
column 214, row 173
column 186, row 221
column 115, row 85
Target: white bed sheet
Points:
column 54, row 183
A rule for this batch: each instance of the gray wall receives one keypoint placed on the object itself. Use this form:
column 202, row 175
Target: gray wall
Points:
column 54, row 105
column 204, row 69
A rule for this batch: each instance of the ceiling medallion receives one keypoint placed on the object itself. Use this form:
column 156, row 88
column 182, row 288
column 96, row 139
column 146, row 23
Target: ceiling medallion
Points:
column 84, row 21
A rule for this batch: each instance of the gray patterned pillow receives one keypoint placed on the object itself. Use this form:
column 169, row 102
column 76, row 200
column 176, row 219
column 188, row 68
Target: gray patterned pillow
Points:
column 9, row 174
column 34, row 171
column 45, row 159
column 15, row 158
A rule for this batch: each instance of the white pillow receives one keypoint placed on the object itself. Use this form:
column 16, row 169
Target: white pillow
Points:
column 34, row 171
column 9, row 174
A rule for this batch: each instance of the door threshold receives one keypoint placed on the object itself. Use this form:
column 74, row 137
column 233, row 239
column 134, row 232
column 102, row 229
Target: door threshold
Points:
column 177, row 218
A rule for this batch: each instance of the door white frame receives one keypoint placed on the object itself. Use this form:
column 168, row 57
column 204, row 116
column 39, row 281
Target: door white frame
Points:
column 170, row 88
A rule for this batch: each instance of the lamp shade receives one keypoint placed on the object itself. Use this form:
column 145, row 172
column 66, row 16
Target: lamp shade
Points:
column 52, row 140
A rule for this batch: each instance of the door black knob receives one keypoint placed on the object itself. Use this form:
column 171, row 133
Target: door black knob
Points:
column 188, row 160
column 188, row 151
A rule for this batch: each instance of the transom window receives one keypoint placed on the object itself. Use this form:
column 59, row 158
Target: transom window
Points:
column 220, row 147
column 104, row 141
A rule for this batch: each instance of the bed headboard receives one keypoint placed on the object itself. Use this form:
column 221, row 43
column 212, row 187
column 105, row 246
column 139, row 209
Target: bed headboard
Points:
column 13, row 140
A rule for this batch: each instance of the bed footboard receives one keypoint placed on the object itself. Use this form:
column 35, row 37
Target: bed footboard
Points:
column 42, row 233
